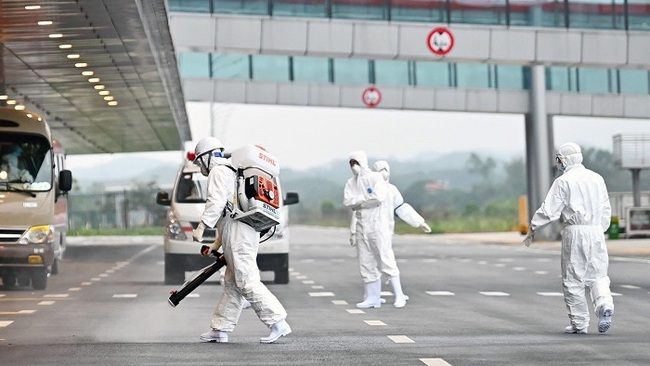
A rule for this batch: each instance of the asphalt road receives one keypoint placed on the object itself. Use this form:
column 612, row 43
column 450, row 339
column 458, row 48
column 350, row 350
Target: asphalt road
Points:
column 470, row 304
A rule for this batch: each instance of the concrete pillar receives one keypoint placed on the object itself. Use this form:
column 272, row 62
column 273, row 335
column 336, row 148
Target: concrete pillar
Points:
column 539, row 151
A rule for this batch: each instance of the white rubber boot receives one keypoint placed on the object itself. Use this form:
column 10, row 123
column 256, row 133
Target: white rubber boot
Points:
column 400, row 298
column 365, row 295
column 215, row 336
column 373, row 298
column 279, row 329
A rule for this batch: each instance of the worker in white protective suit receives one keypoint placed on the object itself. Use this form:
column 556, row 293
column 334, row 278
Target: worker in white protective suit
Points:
column 364, row 193
column 580, row 200
column 393, row 205
column 240, row 244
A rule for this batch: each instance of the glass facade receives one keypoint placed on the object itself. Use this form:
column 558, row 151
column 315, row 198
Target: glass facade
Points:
column 595, row 14
column 408, row 73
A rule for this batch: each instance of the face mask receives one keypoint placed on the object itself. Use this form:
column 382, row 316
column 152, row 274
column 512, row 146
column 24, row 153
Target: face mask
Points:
column 356, row 169
column 204, row 171
column 558, row 164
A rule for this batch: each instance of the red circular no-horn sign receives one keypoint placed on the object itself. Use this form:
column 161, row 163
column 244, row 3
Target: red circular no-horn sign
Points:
column 440, row 41
column 371, row 96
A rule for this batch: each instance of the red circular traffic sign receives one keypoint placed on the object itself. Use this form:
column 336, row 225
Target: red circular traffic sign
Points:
column 371, row 96
column 440, row 41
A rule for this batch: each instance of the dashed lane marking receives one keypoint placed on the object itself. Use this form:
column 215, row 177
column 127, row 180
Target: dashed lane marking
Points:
column 434, row 362
column 500, row 265
column 518, row 268
column 400, row 339
column 45, row 303
column 74, row 289
column 5, row 323
column 308, row 282
column 295, row 273
column 2, row 295
column 59, row 296
column 339, row 302
column 494, row 293
column 317, row 287
column 386, row 293
column 95, row 279
column 550, row 294
column 631, row 287
column 321, row 294
column 301, row 277
column 440, row 293
column 103, row 275
column 19, row 312
column 541, row 272
column 86, row 283
column 429, row 260
column 482, row 262
column 125, row 296
column 374, row 322
column 355, row 311
column 616, row 294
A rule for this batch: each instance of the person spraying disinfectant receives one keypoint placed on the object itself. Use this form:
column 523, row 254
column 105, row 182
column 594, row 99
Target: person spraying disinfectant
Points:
column 233, row 210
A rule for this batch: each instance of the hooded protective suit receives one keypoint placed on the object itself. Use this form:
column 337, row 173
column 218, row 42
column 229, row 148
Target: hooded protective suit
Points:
column 240, row 244
column 579, row 198
column 364, row 193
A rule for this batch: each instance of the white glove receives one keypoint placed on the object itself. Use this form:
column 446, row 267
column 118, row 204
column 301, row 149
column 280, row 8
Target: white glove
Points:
column 197, row 233
column 26, row 177
column 425, row 227
column 207, row 250
column 353, row 240
column 528, row 240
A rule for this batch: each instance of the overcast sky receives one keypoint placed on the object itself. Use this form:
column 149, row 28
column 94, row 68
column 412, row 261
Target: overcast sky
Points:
column 304, row 137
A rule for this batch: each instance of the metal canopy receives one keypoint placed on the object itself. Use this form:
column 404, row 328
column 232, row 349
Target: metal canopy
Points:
column 127, row 46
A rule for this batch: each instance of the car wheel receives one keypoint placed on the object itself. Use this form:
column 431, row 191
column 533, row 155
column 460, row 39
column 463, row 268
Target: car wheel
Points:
column 55, row 267
column 9, row 280
column 174, row 273
column 39, row 279
column 282, row 276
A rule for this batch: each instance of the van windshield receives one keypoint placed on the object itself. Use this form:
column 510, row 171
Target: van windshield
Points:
column 192, row 188
column 25, row 162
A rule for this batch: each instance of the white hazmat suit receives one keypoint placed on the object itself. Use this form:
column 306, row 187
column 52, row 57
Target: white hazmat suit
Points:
column 240, row 244
column 364, row 193
column 580, row 200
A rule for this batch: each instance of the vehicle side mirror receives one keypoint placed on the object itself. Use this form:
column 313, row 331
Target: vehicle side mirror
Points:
column 291, row 199
column 162, row 198
column 65, row 180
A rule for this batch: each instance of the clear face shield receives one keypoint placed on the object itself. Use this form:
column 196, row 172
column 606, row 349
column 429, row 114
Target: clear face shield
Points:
column 356, row 168
column 559, row 162
column 204, row 160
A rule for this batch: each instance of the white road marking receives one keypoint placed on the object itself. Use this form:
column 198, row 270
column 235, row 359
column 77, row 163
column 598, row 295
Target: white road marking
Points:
column 125, row 296
column 74, row 289
column 429, row 260
column 2, row 295
column 550, row 294
column 306, row 261
column 339, row 302
column 435, row 362
column 440, row 293
column 631, row 287
column 103, row 275
column 386, row 293
column 616, row 294
column 308, row 282
column 482, row 262
column 355, row 311
column 301, row 277
column 295, row 273
column 518, row 268
column 321, row 294
column 110, row 270
column 500, row 265
column 19, row 312
column 494, row 293
column 46, row 302
column 57, row 295
column 95, row 279
column 400, row 339
column 5, row 323
column 541, row 272
column 374, row 322
column 318, row 287
column 193, row 295
column 86, row 283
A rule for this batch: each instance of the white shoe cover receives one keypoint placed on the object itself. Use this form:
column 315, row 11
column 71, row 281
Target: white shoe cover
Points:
column 215, row 336
column 571, row 330
column 279, row 329
column 604, row 319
